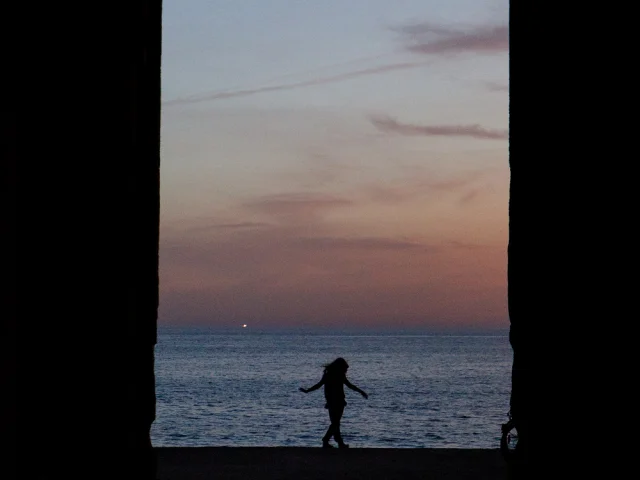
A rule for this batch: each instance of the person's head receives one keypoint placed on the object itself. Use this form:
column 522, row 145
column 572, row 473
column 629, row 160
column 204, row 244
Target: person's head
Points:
column 339, row 365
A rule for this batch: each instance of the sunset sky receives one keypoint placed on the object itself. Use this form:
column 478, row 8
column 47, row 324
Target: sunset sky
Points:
column 335, row 163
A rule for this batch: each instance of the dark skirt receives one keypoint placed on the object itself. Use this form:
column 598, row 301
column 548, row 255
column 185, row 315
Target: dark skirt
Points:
column 334, row 405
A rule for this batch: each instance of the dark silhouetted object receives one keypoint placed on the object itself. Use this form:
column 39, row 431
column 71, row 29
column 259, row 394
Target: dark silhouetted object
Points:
column 80, row 165
column 334, row 379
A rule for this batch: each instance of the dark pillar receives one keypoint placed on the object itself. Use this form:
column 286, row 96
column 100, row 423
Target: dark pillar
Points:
column 8, row 272
column 143, row 227
column 545, row 271
column 79, row 198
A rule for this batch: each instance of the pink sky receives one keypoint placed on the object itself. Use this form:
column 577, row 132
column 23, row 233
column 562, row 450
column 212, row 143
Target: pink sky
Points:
column 367, row 196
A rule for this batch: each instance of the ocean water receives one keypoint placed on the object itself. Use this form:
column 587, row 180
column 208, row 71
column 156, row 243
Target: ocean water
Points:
column 425, row 391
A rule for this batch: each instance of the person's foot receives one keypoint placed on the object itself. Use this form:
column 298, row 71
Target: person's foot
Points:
column 343, row 445
column 326, row 445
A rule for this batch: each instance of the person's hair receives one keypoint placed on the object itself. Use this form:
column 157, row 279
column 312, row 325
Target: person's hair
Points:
column 338, row 365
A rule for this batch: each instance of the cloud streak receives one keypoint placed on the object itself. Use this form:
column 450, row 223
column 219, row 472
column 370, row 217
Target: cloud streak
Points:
column 448, row 41
column 290, row 86
column 387, row 124
column 483, row 39
column 363, row 243
column 296, row 207
column 228, row 226
column 496, row 87
column 411, row 188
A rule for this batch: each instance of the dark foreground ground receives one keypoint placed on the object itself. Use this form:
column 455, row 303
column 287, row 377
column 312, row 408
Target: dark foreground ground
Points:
column 269, row 463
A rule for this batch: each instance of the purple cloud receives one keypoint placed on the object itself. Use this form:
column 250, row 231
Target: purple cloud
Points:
column 467, row 246
column 435, row 40
column 496, row 87
column 228, row 226
column 361, row 243
column 390, row 125
column 296, row 206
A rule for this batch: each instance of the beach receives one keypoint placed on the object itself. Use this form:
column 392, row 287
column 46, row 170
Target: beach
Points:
column 304, row 463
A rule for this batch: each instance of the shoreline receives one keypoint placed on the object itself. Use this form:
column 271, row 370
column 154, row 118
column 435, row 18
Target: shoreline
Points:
column 311, row 463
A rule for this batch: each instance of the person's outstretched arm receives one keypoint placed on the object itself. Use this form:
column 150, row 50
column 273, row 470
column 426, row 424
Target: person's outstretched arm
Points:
column 354, row 388
column 315, row 387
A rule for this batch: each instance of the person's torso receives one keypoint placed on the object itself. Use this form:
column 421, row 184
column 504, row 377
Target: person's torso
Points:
column 334, row 388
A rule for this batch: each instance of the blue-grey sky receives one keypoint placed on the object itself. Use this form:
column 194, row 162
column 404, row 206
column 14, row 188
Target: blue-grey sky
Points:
column 334, row 163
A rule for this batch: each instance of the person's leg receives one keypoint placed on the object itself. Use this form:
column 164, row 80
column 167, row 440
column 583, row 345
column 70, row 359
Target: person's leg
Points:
column 329, row 434
column 336, row 415
column 327, row 437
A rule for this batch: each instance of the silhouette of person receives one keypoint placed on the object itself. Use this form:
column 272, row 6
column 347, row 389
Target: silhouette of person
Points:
column 333, row 379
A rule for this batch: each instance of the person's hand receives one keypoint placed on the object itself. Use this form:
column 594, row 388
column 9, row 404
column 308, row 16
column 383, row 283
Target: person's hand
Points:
column 303, row 390
column 365, row 395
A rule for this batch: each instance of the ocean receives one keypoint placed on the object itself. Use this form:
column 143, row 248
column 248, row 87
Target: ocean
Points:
column 241, row 389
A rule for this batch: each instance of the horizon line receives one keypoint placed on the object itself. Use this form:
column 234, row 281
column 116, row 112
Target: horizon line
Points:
column 499, row 331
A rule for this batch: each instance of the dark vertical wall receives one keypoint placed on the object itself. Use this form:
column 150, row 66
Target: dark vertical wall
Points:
column 79, row 200
column 143, row 225
column 8, row 368
column 571, row 272
column 544, row 255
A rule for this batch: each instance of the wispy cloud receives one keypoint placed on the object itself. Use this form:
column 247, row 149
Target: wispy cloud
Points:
column 388, row 124
column 228, row 226
column 496, row 87
column 468, row 246
column 469, row 196
column 425, row 39
column 289, row 86
column 296, row 207
column 467, row 186
column 430, row 39
column 363, row 243
column 456, row 183
column 281, row 253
